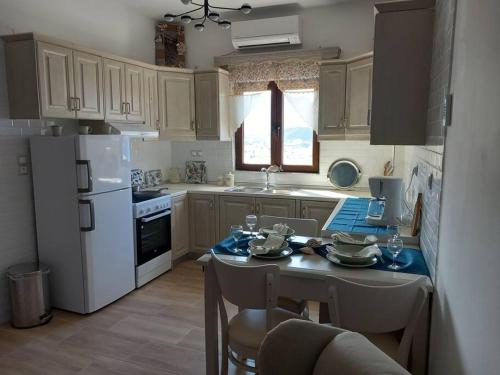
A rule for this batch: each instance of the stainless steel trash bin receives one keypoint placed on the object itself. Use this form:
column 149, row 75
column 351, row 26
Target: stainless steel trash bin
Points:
column 29, row 294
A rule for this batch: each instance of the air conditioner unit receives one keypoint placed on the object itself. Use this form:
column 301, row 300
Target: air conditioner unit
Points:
column 268, row 32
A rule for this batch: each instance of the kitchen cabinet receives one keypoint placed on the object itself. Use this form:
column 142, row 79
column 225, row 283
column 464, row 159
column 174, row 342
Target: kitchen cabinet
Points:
column 48, row 80
column 114, row 90
column 275, row 207
column 134, row 93
column 212, row 106
column 401, row 74
column 345, row 96
column 55, row 72
column 151, row 99
column 358, row 97
column 202, row 222
column 332, row 101
column 89, row 91
column 177, row 105
column 232, row 211
column 318, row 210
column 124, row 91
column 180, row 226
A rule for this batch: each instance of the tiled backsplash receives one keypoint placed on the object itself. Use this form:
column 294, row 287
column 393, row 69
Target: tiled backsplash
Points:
column 147, row 155
column 219, row 157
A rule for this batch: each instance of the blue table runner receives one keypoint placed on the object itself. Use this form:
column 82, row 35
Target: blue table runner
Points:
column 351, row 218
column 410, row 260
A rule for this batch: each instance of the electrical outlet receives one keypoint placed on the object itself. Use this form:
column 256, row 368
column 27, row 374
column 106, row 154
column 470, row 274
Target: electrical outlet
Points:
column 22, row 160
column 22, row 170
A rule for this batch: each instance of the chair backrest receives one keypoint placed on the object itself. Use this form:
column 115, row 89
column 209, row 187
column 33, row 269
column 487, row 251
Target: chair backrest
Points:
column 372, row 308
column 377, row 308
column 248, row 287
column 302, row 227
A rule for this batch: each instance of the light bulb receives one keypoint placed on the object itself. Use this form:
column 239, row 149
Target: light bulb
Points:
column 186, row 19
column 169, row 17
column 199, row 27
column 225, row 24
column 246, row 8
column 186, row 2
column 214, row 16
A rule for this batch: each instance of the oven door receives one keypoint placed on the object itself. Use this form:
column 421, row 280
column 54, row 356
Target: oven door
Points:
column 153, row 236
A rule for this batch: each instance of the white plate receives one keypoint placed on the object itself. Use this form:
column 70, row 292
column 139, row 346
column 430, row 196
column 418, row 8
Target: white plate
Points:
column 350, row 253
column 260, row 241
column 332, row 258
column 285, row 253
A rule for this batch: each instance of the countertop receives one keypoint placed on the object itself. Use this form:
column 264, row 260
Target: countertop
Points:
column 296, row 193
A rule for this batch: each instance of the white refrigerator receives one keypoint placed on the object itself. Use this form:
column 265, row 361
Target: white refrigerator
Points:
column 83, row 207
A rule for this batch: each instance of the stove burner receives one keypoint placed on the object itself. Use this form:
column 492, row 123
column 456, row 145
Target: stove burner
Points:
column 141, row 196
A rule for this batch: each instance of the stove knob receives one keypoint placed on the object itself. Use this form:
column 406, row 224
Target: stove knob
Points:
column 141, row 212
column 148, row 209
column 157, row 207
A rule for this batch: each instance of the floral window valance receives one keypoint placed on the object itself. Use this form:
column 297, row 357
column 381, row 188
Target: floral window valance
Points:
column 288, row 75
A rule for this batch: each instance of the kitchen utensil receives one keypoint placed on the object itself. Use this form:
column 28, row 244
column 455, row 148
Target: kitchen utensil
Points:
column 56, row 130
column 344, row 173
column 385, row 206
column 258, row 244
column 283, row 254
column 333, row 258
column 353, row 254
column 84, row 129
column 354, row 239
column 267, row 231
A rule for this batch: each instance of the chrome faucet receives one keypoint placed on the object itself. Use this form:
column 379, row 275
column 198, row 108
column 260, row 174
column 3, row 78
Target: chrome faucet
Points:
column 271, row 169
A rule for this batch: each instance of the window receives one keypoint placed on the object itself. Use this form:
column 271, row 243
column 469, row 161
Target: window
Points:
column 278, row 129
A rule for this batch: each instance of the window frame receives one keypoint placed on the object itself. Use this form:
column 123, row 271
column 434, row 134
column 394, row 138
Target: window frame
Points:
column 276, row 140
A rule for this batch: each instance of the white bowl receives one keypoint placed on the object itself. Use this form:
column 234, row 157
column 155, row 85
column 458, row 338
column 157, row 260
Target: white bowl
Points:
column 259, row 242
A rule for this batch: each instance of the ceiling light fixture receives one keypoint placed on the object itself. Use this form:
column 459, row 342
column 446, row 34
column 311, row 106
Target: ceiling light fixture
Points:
column 208, row 13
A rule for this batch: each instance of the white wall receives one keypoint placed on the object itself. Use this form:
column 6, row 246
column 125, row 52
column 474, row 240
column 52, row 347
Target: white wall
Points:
column 348, row 25
column 465, row 333
column 102, row 24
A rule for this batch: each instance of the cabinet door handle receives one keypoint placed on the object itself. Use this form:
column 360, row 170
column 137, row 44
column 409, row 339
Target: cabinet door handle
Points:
column 211, row 205
column 258, row 208
column 90, row 203
column 78, row 104
column 192, row 125
column 128, row 108
column 123, row 109
column 72, row 103
column 369, row 117
column 303, row 212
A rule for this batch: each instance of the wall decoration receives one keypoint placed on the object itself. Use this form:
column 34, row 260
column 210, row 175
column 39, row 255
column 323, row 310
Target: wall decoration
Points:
column 170, row 45
column 196, row 172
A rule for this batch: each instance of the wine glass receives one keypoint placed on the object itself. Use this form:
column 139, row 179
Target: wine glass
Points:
column 394, row 245
column 236, row 232
column 251, row 221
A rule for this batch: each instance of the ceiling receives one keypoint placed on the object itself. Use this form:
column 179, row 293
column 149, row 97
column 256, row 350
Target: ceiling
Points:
column 157, row 8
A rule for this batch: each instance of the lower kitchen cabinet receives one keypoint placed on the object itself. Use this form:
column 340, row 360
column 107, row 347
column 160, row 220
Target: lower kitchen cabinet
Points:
column 180, row 226
column 275, row 207
column 319, row 210
column 232, row 211
column 202, row 222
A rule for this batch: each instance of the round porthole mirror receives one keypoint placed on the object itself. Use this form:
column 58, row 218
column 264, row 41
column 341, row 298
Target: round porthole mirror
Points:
column 344, row 173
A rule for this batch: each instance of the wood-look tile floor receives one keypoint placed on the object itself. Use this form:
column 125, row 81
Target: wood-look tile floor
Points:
column 157, row 329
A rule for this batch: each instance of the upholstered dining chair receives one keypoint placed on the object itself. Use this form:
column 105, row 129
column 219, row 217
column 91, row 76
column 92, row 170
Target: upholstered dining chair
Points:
column 254, row 290
column 298, row 347
column 386, row 314
column 302, row 227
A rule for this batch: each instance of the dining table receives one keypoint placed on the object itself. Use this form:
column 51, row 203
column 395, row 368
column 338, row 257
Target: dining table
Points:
column 302, row 276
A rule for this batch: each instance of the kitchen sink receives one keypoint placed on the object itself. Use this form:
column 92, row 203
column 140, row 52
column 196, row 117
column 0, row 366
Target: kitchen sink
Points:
column 245, row 189
column 277, row 191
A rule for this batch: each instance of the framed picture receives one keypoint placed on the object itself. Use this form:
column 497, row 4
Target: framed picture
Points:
column 170, row 45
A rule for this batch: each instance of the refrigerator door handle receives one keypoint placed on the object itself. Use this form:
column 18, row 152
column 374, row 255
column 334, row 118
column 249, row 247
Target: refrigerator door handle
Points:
column 86, row 163
column 90, row 203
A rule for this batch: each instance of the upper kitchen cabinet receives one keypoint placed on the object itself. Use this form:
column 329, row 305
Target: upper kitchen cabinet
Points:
column 358, row 98
column 124, row 89
column 88, row 85
column 212, row 105
column 134, row 93
column 177, row 105
column 345, row 92
column 49, row 80
column 151, row 116
column 401, row 73
column 332, row 101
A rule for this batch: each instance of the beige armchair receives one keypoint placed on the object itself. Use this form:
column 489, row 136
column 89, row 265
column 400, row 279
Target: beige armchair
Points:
column 298, row 347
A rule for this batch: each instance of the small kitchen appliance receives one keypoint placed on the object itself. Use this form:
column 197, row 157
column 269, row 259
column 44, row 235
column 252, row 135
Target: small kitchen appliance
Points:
column 385, row 205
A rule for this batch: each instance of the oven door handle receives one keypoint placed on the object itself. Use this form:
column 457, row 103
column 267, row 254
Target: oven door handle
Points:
column 151, row 218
